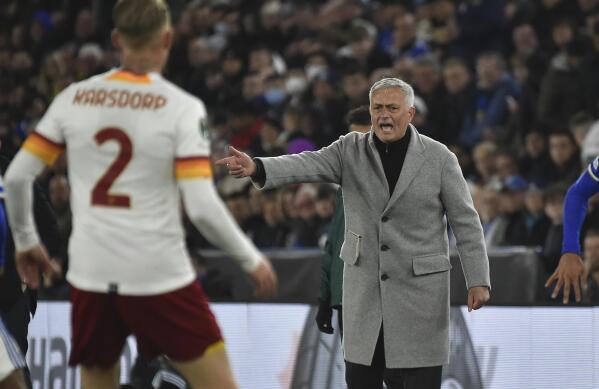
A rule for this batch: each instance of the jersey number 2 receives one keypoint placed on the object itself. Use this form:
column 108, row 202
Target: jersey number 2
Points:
column 100, row 193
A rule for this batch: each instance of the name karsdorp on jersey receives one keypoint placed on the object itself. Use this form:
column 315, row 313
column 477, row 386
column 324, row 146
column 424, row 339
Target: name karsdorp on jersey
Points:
column 128, row 139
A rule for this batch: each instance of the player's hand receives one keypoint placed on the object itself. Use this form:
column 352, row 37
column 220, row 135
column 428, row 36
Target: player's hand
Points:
column 265, row 279
column 33, row 261
column 477, row 297
column 239, row 164
column 569, row 273
column 323, row 317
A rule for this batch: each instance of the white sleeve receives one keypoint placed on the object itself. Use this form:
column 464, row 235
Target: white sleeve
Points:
column 18, row 183
column 209, row 214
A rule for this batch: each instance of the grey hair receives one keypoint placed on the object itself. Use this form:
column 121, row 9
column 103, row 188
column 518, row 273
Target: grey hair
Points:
column 394, row 83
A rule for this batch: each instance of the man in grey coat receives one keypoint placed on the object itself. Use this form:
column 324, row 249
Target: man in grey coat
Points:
column 400, row 189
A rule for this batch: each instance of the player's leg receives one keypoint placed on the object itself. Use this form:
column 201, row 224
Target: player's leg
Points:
column 100, row 378
column 98, row 337
column 180, row 325
column 211, row 370
column 11, row 362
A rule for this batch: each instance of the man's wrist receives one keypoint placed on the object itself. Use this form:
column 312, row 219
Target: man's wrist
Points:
column 257, row 168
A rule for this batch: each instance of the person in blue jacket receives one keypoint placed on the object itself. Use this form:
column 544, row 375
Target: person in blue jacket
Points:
column 569, row 272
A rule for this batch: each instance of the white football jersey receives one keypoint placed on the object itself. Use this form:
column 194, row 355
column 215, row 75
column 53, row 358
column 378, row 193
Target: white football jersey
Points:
column 128, row 139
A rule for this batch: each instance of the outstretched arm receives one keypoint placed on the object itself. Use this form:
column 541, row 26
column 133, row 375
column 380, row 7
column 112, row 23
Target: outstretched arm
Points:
column 570, row 270
column 207, row 212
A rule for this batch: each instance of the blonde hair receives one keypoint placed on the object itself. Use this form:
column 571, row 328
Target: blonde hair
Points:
column 138, row 21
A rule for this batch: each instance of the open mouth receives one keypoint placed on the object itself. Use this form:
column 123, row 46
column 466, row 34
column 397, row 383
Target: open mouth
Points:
column 386, row 127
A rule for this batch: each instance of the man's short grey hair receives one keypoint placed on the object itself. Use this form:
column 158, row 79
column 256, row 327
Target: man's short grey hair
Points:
column 394, row 83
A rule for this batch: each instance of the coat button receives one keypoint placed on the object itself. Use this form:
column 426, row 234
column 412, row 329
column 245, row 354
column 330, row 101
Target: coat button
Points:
column 385, row 219
column 384, row 247
column 384, row 277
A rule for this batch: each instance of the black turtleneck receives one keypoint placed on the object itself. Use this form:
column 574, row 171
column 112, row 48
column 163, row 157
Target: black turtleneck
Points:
column 393, row 156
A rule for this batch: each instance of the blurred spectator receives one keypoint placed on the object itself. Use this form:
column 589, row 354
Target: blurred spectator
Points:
column 480, row 26
column 328, row 107
column 305, row 231
column 535, row 162
column 362, row 49
column 405, row 40
column 268, row 143
column 554, row 208
column 464, row 159
column 564, row 158
column 550, row 13
column 355, row 88
column 560, row 96
column 273, row 233
column 325, row 205
column 457, row 101
column 527, row 50
column 429, row 86
column 513, row 211
column 506, row 166
column 495, row 89
column 589, row 67
column 244, row 125
column 537, row 222
column 484, row 161
column 489, row 209
column 443, row 25
column 237, row 204
column 579, row 125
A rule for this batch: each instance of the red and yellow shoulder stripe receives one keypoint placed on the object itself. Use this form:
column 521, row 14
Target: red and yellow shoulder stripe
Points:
column 43, row 148
column 123, row 75
column 193, row 167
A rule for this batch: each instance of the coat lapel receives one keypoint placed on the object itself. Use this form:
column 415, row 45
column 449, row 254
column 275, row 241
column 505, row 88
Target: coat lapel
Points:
column 378, row 164
column 411, row 166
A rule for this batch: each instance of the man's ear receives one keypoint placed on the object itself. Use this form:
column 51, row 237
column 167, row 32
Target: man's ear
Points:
column 167, row 38
column 115, row 37
column 412, row 111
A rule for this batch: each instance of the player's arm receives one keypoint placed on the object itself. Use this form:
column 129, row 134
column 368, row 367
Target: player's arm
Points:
column 208, row 213
column 575, row 208
column 571, row 269
column 39, row 150
column 204, row 207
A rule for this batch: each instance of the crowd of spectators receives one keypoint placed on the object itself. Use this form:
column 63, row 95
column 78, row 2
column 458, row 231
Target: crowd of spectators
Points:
column 511, row 86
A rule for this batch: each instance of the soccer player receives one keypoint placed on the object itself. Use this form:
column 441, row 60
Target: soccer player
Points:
column 134, row 143
column 569, row 272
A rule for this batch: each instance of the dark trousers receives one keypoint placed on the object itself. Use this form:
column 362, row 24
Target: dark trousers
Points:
column 16, row 319
column 372, row 377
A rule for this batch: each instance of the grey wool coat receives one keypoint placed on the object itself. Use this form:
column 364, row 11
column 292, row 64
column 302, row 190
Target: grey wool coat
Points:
column 395, row 251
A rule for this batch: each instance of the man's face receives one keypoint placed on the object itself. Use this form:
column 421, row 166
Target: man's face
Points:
column 355, row 85
column 390, row 114
column 426, row 78
column 561, row 149
column 456, row 78
column 525, row 39
column 488, row 72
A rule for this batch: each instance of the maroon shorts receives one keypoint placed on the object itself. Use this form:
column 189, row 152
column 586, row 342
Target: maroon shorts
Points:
column 178, row 324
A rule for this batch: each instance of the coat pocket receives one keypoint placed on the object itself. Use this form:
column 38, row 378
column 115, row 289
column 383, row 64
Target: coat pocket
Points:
column 350, row 249
column 430, row 263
